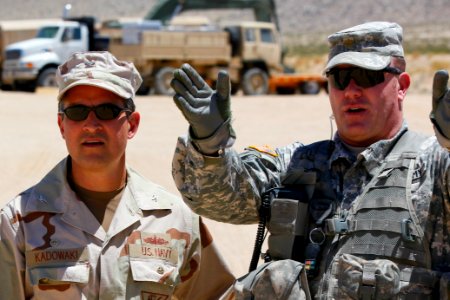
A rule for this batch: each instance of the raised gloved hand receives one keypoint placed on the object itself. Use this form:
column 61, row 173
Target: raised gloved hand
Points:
column 205, row 109
column 440, row 113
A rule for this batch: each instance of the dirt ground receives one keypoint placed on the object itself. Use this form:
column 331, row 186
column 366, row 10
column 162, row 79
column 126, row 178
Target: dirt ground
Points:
column 31, row 144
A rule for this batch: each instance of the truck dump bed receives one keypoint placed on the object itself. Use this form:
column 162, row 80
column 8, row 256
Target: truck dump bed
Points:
column 176, row 45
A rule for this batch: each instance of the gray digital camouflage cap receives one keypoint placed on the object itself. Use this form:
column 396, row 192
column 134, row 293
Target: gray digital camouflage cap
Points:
column 370, row 45
column 100, row 69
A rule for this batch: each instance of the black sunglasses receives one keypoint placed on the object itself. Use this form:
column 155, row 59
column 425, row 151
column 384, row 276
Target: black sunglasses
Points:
column 362, row 77
column 103, row 112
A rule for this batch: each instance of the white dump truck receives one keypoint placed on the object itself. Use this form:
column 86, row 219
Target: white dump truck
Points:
column 33, row 62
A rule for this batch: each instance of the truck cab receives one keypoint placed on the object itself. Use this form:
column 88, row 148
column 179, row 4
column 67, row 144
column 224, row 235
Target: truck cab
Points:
column 256, row 55
column 33, row 62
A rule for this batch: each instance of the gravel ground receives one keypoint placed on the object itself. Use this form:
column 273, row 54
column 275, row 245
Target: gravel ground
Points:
column 31, row 143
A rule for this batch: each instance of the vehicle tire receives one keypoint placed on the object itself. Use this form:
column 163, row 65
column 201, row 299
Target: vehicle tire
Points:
column 285, row 90
column 309, row 88
column 6, row 87
column 28, row 86
column 47, row 78
column 143, row 90
column 234, row 88
column 162, row 81
column 255, row 82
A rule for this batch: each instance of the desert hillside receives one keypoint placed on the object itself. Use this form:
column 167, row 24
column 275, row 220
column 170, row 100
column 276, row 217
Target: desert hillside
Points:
column 296, row 16
column 303, row 22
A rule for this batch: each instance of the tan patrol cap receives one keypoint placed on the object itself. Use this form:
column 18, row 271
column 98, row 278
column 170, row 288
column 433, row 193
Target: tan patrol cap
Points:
column 370, row 45
column 100, row 69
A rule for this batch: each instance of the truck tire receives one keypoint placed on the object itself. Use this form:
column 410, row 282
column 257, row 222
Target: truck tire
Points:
column 234, row 88
column 143, row 90
column 28, row 86
column 255, row 82
column 47, row 78
column 309, row 88
column 6, row 87
column 286, row 90
column 162, row 81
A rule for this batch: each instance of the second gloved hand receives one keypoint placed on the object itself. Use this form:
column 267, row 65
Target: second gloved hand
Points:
column 204, row 108
column 440, row 113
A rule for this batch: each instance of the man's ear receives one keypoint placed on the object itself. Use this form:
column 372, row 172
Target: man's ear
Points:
column 404, row 81
column 133, row 121
column 61, row 125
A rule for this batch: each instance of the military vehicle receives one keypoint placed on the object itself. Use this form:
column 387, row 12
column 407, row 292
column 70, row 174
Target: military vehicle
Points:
column 251, row 51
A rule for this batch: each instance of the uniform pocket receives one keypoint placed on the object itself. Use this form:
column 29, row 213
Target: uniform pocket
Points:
column 53, row 275
column 151, row 279
column 154, row 270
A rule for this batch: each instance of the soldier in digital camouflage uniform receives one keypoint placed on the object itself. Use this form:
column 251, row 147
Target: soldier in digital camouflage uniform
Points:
column 93, row 228
column 380, row 204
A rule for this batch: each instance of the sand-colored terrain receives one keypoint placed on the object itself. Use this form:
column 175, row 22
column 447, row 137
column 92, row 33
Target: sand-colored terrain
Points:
column 31, row 144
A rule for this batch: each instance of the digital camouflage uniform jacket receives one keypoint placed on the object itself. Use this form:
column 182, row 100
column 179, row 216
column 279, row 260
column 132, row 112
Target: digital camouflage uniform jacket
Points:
column 52, row 247
column 228, row 188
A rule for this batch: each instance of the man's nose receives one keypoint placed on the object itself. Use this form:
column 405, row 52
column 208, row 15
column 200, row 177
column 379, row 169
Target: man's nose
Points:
column 352, row 89
column 92, row 122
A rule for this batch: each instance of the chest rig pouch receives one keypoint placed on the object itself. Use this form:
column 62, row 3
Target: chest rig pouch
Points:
column 381, row 249
column 286, row 210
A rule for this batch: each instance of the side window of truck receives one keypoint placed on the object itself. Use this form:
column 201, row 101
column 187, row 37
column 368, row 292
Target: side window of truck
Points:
column 267, row 36
column 70, row 34
column 250, row 35
column 77, row 33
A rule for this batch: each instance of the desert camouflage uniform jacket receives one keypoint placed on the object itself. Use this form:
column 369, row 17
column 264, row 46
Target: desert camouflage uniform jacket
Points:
column 52, row 247
column 228, row 188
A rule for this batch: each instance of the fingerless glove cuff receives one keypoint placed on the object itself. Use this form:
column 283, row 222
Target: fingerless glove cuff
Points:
column 223, row 137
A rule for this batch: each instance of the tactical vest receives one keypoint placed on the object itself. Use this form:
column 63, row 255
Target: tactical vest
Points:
column 378, row 248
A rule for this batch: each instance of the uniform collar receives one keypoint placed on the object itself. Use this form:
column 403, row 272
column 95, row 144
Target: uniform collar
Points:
column 53, row 192
column 373, row 154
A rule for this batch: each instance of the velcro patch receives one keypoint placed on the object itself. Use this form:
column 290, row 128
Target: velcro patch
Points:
column 151, row 251
column 162, row 239
column 264, row 149
column 56, row 256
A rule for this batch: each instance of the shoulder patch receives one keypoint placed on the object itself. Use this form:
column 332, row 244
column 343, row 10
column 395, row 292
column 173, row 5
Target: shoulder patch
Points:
column 264, row 149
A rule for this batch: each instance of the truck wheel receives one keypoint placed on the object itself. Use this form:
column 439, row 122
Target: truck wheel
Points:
column 6, row 87
column 143, row 90
column 285, row 90
column 309, row 88
column 255, row 82
column 162, row 81
column 234, row 88
column 47, row 78
column 29, row 86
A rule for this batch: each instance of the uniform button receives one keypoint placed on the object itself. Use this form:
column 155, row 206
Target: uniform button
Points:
column 160, row 270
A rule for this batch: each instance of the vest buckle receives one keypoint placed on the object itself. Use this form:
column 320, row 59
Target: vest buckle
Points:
column 406, row 230
column 337, row 225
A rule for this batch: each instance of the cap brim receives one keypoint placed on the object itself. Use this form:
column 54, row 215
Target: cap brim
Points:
column 366, row 60
column 101, row 84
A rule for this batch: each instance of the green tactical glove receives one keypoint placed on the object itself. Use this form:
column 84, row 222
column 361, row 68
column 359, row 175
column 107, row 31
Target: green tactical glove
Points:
column 440, row 113
column 207, row 110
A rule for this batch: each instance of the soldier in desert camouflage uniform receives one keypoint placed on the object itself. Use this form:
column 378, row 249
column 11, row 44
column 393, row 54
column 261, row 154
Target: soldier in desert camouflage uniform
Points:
column 93, row 228
column 381, row 192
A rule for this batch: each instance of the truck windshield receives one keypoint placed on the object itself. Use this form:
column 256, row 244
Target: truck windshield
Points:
column 47, row 32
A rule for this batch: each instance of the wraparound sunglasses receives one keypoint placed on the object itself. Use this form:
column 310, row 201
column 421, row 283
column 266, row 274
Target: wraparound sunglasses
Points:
column 362, row 77
column 103, row 112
